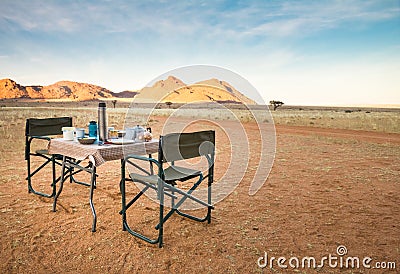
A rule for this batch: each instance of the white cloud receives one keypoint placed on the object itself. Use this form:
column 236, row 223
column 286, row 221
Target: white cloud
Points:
column 254, row 18
column 299, row 18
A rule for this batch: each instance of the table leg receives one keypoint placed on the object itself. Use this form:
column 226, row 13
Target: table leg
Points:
column 92, row 170
column 62, row 179
column 92, row 187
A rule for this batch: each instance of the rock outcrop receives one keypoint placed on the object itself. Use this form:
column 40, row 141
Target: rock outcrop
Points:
column 60, row 90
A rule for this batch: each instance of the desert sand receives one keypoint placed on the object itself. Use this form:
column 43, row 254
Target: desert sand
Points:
column 328, row 187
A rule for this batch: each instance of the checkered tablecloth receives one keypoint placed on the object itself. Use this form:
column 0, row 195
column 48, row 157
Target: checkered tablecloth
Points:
column 100, row 154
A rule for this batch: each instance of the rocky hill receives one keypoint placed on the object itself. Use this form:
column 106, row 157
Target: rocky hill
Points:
column 10, row 89
column 171, row 89
column 229, row 88
column 159, row 90
column 60, row 90
column 174, row 90
column 200, row 93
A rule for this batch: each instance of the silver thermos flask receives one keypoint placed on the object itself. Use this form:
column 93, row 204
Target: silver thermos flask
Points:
column 102, row 122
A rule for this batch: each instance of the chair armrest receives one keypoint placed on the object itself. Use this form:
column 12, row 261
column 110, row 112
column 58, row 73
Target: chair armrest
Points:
column 41, row 137
column 146, row 159
column 142, row 158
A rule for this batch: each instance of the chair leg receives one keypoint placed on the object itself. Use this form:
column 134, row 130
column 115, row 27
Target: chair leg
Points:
column 28, row 162
column 125, row 226
column 209, row 208
column 210, row 180
column 125, row 206
column 183, row 199
column 173, row 199
column 128, row 205
column 161, row 222
column 122, row 189
column 31, row 174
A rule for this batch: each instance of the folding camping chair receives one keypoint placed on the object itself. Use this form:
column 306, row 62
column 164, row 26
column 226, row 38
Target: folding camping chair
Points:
column 42, row 129
column 173, row 148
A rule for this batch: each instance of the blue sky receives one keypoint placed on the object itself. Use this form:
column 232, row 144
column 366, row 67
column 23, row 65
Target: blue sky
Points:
column 300, row 52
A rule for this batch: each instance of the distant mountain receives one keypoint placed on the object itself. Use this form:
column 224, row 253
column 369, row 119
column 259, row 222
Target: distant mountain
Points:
column 60, row 90
column 125, row 94
column 75, row 91
column 200, row 93
column 171, row 89
column 160, row 89
column 228, row 87
column 10, row 89
column 174, row 90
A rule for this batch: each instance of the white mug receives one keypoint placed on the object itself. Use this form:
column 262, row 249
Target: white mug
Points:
column 68, row 133
column 80, row 132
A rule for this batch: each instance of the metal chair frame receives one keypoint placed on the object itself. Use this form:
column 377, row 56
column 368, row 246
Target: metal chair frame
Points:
column 165, row 186
column 42, row 129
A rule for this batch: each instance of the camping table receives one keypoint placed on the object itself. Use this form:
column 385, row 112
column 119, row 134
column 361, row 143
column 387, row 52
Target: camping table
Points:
column 73, row 153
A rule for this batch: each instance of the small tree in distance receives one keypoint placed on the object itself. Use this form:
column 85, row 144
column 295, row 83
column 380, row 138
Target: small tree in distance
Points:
column 276, row 104
column 114, row 102
column 168, row 104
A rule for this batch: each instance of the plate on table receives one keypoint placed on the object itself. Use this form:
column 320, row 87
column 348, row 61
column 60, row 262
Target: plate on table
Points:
column 121, row 141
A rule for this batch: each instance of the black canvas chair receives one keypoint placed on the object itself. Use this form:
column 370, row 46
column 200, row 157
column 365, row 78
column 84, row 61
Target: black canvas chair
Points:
column 173, row 148
column 43, row 129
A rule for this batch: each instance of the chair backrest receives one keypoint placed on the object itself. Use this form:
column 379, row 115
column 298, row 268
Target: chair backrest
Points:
column 180, row 146
column 46, row 126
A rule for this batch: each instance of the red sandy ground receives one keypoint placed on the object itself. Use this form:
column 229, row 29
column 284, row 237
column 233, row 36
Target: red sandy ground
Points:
column 327, row 188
